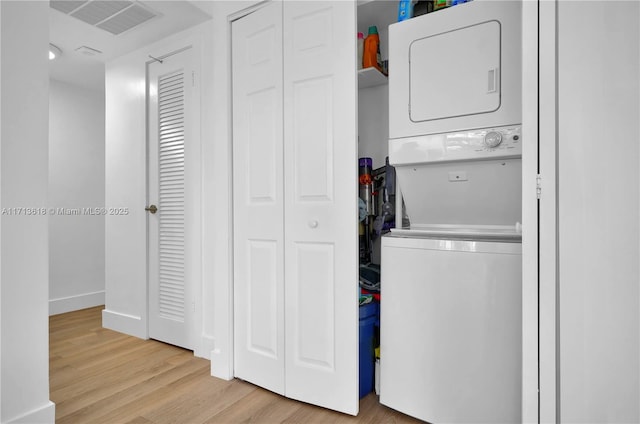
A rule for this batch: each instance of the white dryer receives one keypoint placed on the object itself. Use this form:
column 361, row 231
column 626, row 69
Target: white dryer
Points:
column 456, row 69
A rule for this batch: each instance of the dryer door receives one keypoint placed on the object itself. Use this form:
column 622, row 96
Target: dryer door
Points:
column 455, row 73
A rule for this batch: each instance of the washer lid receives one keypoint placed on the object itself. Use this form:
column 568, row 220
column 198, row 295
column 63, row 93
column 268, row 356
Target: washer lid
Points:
column 499, row 233
column 393, row 240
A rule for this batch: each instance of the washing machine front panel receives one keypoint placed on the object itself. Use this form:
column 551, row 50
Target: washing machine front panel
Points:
column 451, row 329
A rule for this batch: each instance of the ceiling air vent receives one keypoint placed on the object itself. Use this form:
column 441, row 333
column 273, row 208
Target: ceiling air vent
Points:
column 66, row 7
column 113, row 16
column 134, row 16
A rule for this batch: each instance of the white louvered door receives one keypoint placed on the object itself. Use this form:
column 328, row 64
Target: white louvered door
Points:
column 170, row 88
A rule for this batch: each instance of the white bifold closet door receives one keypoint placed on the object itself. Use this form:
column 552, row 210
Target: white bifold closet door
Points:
column 258, row 198
column 295, row 192
column 170, row 86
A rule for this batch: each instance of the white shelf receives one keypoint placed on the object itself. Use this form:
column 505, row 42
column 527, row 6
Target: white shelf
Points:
column 370, row 77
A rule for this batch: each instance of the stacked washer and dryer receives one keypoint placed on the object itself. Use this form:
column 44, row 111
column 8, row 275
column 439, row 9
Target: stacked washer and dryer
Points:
column 451, row 326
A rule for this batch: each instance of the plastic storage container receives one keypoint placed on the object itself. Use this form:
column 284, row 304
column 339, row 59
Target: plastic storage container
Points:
column 371, row 55
column 369, row 320
column 405, row 10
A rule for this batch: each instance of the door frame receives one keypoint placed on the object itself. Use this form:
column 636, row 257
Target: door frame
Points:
column 193, row 184
column 530, row 248
column 539, row 365
column 548, row 410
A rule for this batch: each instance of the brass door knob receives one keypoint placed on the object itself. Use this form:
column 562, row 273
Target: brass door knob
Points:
column 151, row 208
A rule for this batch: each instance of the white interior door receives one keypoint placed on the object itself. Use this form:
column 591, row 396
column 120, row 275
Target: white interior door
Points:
column 170, row 104
column 258, row 198
column 321, row 233
column 598, row 214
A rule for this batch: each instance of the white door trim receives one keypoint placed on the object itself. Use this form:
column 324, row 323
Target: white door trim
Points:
column 539, row 402
column 530, row 229
column 548, row 219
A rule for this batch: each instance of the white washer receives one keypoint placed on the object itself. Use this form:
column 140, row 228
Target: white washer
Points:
column 451, row 328
column 451, row 283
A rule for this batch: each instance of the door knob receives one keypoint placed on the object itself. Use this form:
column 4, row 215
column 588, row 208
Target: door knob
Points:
column 313, row 224
column 151, row 208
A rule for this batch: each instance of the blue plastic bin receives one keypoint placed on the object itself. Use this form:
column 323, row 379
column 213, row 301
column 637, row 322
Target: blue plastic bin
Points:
column 369, row 319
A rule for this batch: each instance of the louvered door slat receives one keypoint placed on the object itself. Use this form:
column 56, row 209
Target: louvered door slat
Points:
column 172, row 106
column 172, row 117
column 171, row 195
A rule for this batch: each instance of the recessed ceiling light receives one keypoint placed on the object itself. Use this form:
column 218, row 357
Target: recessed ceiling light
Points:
column 54, row 51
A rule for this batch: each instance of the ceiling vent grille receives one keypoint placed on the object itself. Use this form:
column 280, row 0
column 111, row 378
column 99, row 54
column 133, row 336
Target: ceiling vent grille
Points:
column 66, row 7
column 113, row 16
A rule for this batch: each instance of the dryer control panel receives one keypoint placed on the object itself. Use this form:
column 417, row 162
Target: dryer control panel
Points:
column 486, row 143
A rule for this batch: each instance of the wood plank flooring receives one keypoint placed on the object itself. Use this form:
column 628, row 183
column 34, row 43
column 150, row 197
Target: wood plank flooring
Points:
column 101, row 376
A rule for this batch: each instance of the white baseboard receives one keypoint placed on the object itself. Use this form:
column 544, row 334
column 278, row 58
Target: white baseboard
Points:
column 43, row 415
column 124, row 323
column 221, row 365
column 75, row 303
column 204, row 348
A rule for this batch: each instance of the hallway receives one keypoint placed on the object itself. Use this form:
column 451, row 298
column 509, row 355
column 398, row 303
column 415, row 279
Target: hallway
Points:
column 101, row 376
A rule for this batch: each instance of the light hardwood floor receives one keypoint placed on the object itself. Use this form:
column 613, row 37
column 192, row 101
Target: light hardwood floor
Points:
column 101, row 376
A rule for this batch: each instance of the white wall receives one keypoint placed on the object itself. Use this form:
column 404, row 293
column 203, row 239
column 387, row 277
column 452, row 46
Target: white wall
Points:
column 24, row 376
column 373, row 102
column 599, row 219
column 125, row 176
column 76, row 181
column 125, row 159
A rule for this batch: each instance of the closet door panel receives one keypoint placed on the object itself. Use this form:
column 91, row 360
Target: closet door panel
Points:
column 314, row 291
column 321, row 234
column 313, row 140
column 258, row 198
